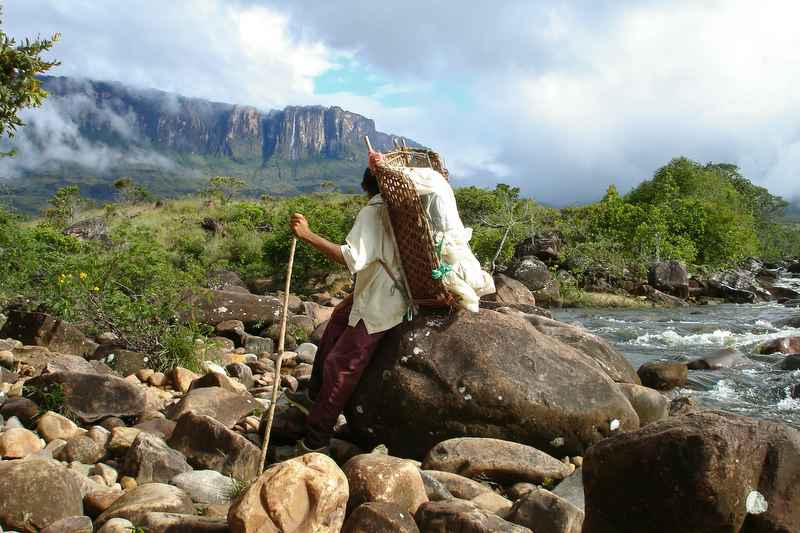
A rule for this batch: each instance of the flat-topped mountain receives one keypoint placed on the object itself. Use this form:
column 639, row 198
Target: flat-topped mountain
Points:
column 93, row 132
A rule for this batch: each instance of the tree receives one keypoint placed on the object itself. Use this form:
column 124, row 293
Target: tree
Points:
column 129, row 192
column 65, row 205
column 224, row 188
column 20, row 63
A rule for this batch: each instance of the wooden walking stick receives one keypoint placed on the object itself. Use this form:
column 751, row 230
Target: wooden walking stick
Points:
column 276, row 382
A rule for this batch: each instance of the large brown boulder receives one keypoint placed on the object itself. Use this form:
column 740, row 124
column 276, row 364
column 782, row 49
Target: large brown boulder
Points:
column 375, row 477
column 150, row 460
column 670, row 277
column 510, row 291
column 41, row 329
column 451, row 516
column 486, row 375
column 380, row 517
column 222, row 405
column 34, row 493
column 705, row 471
column 208, row 444
column 92, row 397
column 135, row 504
column 304, row 494
column 214, row 306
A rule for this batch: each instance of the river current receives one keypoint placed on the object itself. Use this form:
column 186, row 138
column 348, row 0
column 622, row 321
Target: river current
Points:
column 756, row 388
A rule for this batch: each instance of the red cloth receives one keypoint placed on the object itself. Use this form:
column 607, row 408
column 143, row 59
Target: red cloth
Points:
column 344, row 352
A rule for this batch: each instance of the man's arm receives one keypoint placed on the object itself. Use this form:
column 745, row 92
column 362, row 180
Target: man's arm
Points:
column 300, row 228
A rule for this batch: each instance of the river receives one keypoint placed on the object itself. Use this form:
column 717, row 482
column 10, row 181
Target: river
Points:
column 755, row 389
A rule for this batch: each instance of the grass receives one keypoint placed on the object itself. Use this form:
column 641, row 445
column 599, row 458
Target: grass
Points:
column 238, row 487
column 579, row 298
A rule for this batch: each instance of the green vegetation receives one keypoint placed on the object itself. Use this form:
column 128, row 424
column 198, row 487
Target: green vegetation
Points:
column 20, row 64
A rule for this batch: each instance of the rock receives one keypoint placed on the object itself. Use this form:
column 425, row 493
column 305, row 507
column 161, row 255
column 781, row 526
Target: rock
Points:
column 95, row 503
column 172, row 522
column 150, row 460
column 92, row 397
column 81, row 449
column 209, row 445
column 306, row 353
column 682, row 405
column 670, row 277
column 458, row 515
column 17, row 443
column 7, row 376
column 214, row 306
column 319, row 498
column 72, row 524
column 7, row 359
column 289, row 424
column 493, row 502
column 544, row 512
column 724, row 358
column 457, row 370
column 181, row 378
column 215, row 379
column 233, row 330
column 611, row 361
column 124, row 362
column 225, row 280
column 36, row 493
column 549, row 295
column 317, row 313
column 738, row 286
column 121, row 439
column 108, row 473
column 158, row 379
column 383, row 478
column 319, row 331
column 790, row 362
column 571, row 490
column 117, row 525
column 22, row 408
column 222, row 405
column 545, row 246
column 380, row 517
column 148, row 498
column 510, row 291
column 302, row 323
column 701, row 469
column 649, row 404
column 435, row 490
column 659, row 298
column 459, row 486
column 791, row 322
column 274, row 332
column 53, row 426
column 532, row 272
column 205, row 486
column 494, row 459
column 241, row 372
column 41, row 329
column 785, row 345
column 663, row 375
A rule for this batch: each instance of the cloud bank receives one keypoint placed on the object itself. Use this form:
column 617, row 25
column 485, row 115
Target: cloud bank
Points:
column 561, row 99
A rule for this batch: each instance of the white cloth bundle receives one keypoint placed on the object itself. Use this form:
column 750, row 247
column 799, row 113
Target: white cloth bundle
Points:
column 467, row 279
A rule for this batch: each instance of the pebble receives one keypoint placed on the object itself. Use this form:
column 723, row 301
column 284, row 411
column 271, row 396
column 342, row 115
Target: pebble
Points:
column 7, row 358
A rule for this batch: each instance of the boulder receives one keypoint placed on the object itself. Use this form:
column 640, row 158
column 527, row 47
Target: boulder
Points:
column 532, row 272
column 382, row 478
column 510, row 291
column 41, row 329
column 117, row 525
column 458, row 486
column 435, row 490
column 53, row 426
column 225, row 280
column 380, row 517
column 181, row 378
column 22, row 408
column 659, row 298
column 92, row 397
column 790, row 362
column 705, row 471
column 150, row 460
column 723, row 358
column 497, row 460
column 670, row 277
column 308, row 493
column 214, row 306
column 663, row 375
column 317, row 313
column 545, row 246
column 183, row 523
column 124, row 362
column 224, row 406
column 81, row 449
column 148, row 498
column 784, row 345
column 205, row 486
column 649, row 404
column 241, row 372
column 544, row 512
column 611, row 361
column 71, row 524
column 37, row 493
column 571, row 490
column 215, row 379
column 255, row 344
column 738, row 286
column 17, row 443
column 95, row 503
column 209, row 445
column 458, row 515
column 231, row 329
column 484, row 375
column 793, row 268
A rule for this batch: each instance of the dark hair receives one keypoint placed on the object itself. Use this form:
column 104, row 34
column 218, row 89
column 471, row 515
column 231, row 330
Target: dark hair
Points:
column 370, row 183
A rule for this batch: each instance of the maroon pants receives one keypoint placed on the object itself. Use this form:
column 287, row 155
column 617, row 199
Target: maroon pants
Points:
column 344, row 352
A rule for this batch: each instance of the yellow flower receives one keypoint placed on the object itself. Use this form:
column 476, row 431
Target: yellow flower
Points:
column 82, row 275
column 96, row 289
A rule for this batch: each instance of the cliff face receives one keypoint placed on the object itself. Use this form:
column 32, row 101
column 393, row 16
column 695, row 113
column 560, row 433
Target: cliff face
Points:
column 115, row 114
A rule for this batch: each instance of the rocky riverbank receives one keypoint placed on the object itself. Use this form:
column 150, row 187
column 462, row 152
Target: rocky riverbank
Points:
column 502, row 421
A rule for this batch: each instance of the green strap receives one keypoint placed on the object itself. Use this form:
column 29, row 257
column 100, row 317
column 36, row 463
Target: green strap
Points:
column 444, row 268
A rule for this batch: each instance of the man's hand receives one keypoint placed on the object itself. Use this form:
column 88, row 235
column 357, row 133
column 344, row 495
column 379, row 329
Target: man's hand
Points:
column 375, row 158
column 299, row 226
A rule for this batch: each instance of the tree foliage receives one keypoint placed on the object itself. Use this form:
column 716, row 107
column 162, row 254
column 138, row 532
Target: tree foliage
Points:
column 20, row 63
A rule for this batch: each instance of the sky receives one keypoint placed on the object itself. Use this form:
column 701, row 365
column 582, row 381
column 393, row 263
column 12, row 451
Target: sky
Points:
column 558, row 98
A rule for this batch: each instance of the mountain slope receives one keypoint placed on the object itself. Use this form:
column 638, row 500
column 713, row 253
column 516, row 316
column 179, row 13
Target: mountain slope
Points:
column 92, row 132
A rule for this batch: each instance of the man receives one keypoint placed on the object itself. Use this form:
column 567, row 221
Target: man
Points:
column 361, row 320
